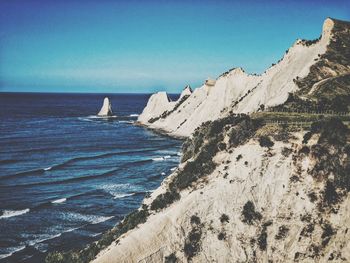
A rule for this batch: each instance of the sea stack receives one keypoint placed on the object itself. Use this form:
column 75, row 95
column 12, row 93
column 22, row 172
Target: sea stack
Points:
column 106, row 109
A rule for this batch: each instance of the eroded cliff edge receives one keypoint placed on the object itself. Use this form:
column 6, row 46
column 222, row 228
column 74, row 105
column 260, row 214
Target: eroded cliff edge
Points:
column 305, row 76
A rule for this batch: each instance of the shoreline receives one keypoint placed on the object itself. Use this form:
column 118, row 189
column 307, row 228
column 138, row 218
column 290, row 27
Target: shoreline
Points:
column 161, row 131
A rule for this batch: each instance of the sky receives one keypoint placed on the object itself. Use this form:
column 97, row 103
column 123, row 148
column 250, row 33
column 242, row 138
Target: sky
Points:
column 143, row 46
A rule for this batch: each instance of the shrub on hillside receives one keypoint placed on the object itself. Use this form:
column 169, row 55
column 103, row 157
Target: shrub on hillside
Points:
column 163, row 200
column 193, row 240
column 171, row 258
column 265, row 141
column 249, row 214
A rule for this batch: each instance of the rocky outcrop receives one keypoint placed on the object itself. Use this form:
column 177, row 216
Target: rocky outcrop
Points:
column 157, row 104
column 238, row 92
column 106, row 109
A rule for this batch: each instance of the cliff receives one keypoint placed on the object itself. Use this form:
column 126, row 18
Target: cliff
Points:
column 308, row 67
column 250, row 193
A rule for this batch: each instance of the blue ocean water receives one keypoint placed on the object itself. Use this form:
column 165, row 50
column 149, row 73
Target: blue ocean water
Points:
column 67, row 176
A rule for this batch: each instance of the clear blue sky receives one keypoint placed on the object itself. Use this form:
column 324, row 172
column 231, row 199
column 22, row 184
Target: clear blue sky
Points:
column 144, row 46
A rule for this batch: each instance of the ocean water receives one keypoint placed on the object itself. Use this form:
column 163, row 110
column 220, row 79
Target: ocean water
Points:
column 66, row 176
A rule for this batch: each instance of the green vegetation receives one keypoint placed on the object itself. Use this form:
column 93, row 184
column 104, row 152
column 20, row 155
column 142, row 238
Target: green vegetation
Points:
column 282, row 232
column 249, row 215
column 265, row 141
column 171, row 258
column 203, row 146
column 262, row 239
column 163, row 200
column 330, row 153
column 327, row 233
column 224, row 218
column 222, row 236
column 193, row 239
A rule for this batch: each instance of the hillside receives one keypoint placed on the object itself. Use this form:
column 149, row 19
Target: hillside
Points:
column 249, row 192
column 314, row 75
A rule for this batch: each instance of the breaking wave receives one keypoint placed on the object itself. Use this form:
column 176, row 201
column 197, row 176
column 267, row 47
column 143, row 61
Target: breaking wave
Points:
column 12, row 213
column 12, row 250
column 59, row 201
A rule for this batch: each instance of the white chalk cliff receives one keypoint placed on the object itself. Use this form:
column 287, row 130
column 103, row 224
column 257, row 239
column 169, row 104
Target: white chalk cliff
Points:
column 106, row 109
column 262, row 176
column 237, row 91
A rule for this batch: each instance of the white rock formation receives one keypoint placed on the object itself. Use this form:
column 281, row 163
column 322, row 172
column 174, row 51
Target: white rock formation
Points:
column 156, row 105
column 264, row 180
column 187, row 91
column 237, row 91
column 106, row 109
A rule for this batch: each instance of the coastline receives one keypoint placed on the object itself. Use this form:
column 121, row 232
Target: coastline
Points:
column 161, row 131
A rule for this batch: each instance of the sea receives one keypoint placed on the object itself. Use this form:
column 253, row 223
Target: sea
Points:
column 66, row 175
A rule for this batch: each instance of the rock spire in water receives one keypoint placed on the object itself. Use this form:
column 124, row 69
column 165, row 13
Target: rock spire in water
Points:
column 106, row 109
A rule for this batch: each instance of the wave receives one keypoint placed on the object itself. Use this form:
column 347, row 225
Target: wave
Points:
column 59, row 201
column 118, row 196
column 162, row 158
column 12, row 213
column 173, row 169
column 93, row 157
column 69, row 180
column 129, row 122
column 101, row 219
column 134, row 115
column 94, row 118
column 96, row 234
column 90, row 219
column 158, row 159
column 24, row 173
column 86, row 219
column 12, row 251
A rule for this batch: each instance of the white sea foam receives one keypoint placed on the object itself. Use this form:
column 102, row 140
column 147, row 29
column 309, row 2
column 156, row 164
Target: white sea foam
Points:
column 43, row 238
column 12, row 213
column 162, row 173
column 84, row 218
column 158, row 159
column 48, row 168
column 101, row 219
column 179, row 154
column 117, row 196
column 12, row 250
column 130, row 122
column 59, row 201
column 173, row 169
column 167, row 156
column 133, row 115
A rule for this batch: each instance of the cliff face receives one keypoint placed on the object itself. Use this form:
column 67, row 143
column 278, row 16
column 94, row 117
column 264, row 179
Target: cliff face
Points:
column 308, row 67
column 263, row 194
